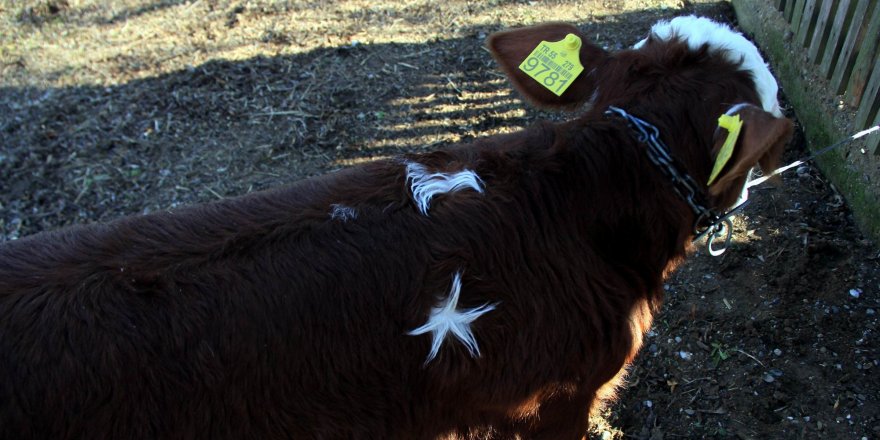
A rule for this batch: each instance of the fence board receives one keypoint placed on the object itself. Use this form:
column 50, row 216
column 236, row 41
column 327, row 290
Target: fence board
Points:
column 806, row 28
column 874, row 141
column 777, row 4
column 832, row 47
column 847, row 51
column 820, row 34
column 866, row 53
column 796, row 14
column 870, row 98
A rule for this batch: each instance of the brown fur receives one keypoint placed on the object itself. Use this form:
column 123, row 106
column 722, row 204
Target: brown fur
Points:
column 263, row 317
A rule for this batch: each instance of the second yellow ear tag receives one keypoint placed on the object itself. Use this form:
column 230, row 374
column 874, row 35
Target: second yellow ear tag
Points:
column 733, row 124
column 556, row 64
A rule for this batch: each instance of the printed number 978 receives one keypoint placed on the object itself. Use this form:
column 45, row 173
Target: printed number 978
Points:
column 537, row 69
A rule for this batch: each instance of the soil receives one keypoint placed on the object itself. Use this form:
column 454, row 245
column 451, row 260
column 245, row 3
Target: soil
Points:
column 112, row 108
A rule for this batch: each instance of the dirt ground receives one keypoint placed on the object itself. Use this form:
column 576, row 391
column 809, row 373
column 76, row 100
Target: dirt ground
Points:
column 110, row 108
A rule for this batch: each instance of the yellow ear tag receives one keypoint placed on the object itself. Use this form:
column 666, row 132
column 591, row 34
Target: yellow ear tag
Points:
column 733, row 124
column 556, row 64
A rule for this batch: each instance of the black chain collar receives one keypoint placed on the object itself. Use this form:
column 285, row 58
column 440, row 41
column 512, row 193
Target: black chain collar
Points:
column 683, row 184
column 708, row 221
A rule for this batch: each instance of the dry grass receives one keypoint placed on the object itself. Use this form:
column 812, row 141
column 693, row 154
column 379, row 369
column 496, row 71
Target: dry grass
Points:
column 77, row 42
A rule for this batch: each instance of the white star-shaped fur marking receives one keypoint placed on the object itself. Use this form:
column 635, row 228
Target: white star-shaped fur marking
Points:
column 446, row 318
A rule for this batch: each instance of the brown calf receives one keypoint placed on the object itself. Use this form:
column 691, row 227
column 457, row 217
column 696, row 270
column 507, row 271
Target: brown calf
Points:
column 491, row 290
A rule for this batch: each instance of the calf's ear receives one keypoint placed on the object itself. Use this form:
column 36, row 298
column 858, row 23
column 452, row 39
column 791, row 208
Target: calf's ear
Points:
column 761, row 141
column 510, row 48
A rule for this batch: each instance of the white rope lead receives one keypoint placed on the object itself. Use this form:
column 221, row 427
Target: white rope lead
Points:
column 780, row 170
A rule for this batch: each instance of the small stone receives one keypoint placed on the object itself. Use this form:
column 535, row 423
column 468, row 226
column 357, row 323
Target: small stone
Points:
column 649, row 404
column 777, row 352
column 870, row 312
column 690, row 412
column 855, row 293
column 686, row 355
column 769, row 378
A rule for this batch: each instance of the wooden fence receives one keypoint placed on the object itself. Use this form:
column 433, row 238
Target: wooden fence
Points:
column 842, row 38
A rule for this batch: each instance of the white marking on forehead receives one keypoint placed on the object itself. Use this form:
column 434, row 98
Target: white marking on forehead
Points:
column 446, row 318
column 425, row 186
column 697, row 31
column 342, row 212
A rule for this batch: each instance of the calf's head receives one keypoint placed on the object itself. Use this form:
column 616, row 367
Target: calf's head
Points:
column 682, row 77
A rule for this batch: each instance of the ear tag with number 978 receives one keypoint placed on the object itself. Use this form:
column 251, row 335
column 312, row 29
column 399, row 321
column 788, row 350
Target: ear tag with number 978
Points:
column 556, row 64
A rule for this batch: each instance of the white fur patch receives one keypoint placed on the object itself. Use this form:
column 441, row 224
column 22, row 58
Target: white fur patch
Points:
column 425, row 186
column 342, row 212
column 697, row 31
column 446, row 318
